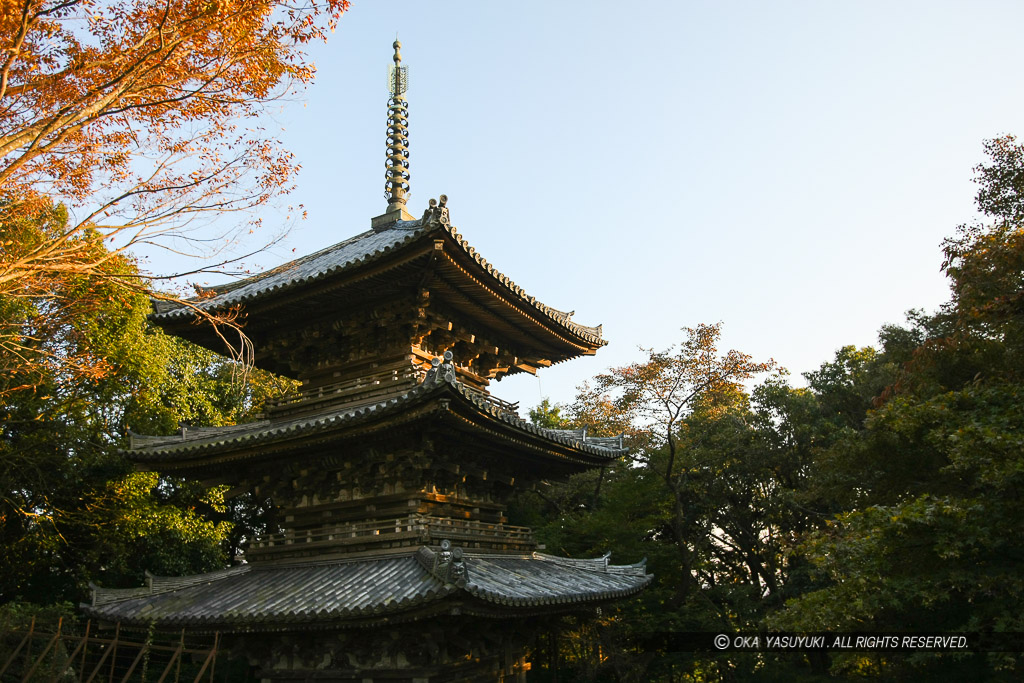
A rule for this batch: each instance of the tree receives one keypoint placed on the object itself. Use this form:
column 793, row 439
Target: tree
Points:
column 549, row 415
column 40, row 334
column 695, row 495
column 928, row 537
column 884, row 496
column 143, row 117
column 651, row 401
column 71, row 509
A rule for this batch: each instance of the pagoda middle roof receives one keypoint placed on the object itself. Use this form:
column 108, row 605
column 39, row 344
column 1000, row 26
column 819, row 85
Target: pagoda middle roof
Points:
column 350, row 255
column 346, row 593
column 440, row 392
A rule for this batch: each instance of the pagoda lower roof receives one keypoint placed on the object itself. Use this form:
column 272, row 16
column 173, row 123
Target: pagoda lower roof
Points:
column 337, row 261
column 365, row 592
column 439, row 395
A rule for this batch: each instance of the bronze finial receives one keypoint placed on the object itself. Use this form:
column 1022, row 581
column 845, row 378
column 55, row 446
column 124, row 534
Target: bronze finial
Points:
column 396, row 184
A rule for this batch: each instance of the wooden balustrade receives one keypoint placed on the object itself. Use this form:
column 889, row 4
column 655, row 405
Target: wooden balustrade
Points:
column 412, row 525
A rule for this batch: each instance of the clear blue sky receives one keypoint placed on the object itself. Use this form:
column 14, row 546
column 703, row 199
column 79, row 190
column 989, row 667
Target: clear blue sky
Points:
column 787, row 168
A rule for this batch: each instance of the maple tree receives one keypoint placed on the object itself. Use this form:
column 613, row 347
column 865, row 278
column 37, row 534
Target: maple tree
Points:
column 706, row 493
column 143, row 118
column 669, row 406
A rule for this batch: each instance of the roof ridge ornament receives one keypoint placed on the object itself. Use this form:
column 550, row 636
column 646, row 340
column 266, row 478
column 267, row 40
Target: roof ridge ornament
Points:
column 448, row 565
column 436, row 213
column 441, row 370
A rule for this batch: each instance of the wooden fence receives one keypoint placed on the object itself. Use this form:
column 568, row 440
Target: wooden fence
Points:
column 75, row 654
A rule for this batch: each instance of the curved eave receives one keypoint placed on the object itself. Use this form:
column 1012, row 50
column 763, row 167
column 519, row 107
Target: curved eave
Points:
column 358, row 258
column 524, row 303
column 439, row 394
column 255, row 598
column 476, row 415
column 367, row 592
column 264, row 438
column 333, row 261
column 581, row 599
column 540, row 581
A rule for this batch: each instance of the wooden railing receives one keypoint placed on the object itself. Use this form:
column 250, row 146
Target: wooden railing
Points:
column 360, row 385
column 371, row 386
column 421, row 526
column 500, row 404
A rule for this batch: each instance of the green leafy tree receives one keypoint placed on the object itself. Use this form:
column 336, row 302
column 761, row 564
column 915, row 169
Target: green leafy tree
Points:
column 549, row 415
column 71, row 508
column 929, row 536
column 670, row 404
column 883, row 496
column 697, row 496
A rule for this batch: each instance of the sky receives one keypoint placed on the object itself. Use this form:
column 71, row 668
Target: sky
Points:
column 788, row 169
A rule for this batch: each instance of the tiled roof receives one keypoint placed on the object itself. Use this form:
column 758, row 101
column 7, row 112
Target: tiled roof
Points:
column 439, row 381
column 353, row 252
column 254, row 597
column 609, row 442
column 541, row 580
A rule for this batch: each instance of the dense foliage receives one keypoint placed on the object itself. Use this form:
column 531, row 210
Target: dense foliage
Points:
column 71, row 508
column 883, row 497
column 142, row 116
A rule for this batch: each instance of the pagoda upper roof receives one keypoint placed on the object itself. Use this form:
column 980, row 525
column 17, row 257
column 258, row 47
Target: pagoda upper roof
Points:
column 439, row 395
column 351, row 257
column 350, row 593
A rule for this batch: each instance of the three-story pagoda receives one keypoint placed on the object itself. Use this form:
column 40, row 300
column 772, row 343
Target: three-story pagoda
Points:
column 391, row 469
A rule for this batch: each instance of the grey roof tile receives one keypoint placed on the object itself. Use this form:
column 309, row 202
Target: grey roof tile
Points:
column 362, row 248
column 543, row 580
column 269, row 596
column 353, row 252
column 438, row 380
column 250, row 595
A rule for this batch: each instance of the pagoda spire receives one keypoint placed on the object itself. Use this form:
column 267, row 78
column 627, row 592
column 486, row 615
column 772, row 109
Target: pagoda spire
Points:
column 396, row 184
column 396, row 175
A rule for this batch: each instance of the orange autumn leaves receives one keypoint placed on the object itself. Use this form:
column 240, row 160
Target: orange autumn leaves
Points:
column 86, row 86
column 143, row 117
